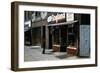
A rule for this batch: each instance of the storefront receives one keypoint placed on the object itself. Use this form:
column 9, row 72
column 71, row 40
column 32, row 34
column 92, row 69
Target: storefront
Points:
column 65, row 33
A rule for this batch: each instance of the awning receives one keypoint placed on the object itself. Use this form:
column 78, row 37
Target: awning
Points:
column 63, row 23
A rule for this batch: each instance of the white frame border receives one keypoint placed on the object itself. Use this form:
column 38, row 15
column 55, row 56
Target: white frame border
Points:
column 35, row 64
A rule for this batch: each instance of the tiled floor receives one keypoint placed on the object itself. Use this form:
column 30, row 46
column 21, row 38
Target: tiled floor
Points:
column 35, row 54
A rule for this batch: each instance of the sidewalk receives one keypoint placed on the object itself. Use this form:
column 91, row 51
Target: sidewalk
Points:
column 35, row 54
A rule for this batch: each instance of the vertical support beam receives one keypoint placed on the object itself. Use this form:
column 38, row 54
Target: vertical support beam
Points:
column 78, row 33
column 47, row 36
column 43, row 37
column 50, row 37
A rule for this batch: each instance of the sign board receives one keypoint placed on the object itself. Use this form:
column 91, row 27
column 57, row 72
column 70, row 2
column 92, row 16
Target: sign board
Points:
column 69, row 16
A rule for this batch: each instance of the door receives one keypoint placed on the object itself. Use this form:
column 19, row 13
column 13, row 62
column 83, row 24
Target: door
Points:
column 84, row 41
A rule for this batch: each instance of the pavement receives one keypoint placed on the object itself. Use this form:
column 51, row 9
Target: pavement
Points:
column 34, row 53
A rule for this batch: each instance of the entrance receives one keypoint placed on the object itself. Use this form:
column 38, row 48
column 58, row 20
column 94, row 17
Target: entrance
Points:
column 64, row 38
